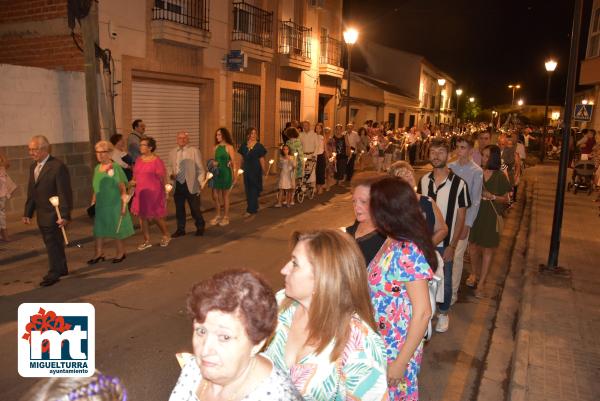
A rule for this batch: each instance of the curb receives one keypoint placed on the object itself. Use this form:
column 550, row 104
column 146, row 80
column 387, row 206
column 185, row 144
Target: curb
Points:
column 517, row 390
column 90, row 238
column 496, row 376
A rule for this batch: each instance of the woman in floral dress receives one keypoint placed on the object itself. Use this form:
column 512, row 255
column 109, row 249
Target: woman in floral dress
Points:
column 326, row 337
column 398, row 280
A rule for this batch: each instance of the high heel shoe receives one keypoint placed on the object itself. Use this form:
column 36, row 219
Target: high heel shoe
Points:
column 119, row 260
column 96, row 260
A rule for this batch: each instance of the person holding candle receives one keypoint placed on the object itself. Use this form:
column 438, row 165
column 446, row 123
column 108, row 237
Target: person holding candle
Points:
column 112, row 219
column 49, row 177
column 296, row 150
column 225, row 179
column 254, row 166
column 186, row 168
column 150, row 201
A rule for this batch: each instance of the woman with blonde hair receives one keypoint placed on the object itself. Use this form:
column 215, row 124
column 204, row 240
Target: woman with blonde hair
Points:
column 112, row 219
column 326, row 337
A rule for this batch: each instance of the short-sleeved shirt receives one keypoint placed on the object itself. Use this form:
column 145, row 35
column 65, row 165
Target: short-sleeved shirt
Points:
column 451, row 195
column 359, row 374
column 397, row 263
column 275, row 387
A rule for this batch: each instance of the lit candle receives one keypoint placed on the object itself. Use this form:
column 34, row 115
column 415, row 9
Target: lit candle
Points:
column 208, row 176
column 54, row 201
column 269, row 168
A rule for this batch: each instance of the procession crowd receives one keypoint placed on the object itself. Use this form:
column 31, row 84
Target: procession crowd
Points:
column 352, row 318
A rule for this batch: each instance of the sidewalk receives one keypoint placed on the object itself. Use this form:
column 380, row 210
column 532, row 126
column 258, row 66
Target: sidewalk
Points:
column 557, row 353
column 26, row 241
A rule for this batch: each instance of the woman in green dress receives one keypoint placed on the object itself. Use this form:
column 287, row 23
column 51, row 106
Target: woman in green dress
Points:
column 227, row 176
column 484, row 236
column 112, row 219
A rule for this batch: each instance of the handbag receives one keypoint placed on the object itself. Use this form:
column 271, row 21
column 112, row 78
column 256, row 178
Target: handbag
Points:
column 91, row 211
column 499, row 219
column 435, row 288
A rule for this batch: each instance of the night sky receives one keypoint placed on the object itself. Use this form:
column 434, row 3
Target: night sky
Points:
column 483, row 44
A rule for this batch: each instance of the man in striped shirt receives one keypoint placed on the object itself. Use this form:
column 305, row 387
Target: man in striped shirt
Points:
column 451, row 195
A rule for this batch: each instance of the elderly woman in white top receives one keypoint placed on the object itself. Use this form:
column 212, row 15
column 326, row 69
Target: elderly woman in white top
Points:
column 234, row 313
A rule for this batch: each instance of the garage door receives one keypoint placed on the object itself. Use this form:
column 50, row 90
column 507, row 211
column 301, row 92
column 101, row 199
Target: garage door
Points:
column 167, row 108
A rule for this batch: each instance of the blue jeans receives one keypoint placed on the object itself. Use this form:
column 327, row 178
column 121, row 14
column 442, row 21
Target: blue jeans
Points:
column 445, row 306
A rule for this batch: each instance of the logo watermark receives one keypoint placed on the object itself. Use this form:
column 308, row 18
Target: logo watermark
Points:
column 56, row 339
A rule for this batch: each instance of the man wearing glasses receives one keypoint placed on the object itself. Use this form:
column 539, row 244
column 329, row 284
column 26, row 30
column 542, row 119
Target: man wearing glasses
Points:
column 49, row 177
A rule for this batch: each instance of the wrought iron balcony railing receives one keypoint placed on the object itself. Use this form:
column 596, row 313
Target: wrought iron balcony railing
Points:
column 192, row 13
column 294, row 39
column 252, row 24
column 331, row 51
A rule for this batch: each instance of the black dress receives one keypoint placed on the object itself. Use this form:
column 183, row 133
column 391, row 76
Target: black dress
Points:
column 369, row 244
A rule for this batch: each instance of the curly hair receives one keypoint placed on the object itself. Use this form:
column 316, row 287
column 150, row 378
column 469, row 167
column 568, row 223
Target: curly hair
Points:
column 241, row 292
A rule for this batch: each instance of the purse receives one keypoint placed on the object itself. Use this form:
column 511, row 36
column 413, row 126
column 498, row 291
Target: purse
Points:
column 499, row 219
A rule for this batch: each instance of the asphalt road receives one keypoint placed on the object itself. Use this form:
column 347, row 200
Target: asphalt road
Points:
column 140, row 304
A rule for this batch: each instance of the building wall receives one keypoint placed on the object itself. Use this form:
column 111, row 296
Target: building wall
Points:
column 35, row 33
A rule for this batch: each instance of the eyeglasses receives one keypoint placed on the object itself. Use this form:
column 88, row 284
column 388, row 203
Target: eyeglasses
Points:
column 102, row 151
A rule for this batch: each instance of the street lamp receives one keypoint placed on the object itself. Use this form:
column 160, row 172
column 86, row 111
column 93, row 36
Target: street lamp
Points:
column 471, row 99
column 550, row 67
column 350, row 37
column 458, row 93
column 514, row 87
column 520, row 102
column 441, row 83
column 494, row 113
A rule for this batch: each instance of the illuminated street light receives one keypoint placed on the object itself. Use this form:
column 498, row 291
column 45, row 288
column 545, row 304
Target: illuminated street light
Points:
column 514, row 87
column 350, row 37
column 520, row 102
column 550, row 67
column 471, row 99
column 441, row 83
column 584, row 101
column 458, row 93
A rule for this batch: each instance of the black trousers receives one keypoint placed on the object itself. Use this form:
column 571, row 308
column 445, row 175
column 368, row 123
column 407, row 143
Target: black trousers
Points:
column 252, row 194
column 182, row 194
column 350, row 167
column 412, row 153
column 55, row 247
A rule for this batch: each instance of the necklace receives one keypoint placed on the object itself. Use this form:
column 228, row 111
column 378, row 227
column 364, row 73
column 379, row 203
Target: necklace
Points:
column 235, row 395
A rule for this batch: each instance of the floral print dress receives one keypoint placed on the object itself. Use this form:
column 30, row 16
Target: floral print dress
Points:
column 396, row 263
column 359, row 374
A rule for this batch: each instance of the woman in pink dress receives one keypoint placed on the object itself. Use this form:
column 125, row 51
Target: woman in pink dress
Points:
column 150, row 201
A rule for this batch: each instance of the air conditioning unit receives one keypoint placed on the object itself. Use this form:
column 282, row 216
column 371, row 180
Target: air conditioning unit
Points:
column 316, row 3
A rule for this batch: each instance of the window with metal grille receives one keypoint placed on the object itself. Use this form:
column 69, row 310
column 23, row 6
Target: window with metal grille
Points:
column 246, row 110
column 187, row 12
column 289, row 106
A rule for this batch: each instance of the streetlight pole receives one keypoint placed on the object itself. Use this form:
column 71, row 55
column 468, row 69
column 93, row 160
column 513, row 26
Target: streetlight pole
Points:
column 559, row 202
column 550, row 67
column 514, row 87
column 458, row 93
column 441, row 83
column 350, row 37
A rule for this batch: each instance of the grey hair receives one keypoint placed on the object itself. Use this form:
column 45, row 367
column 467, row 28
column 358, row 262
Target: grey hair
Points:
column 41, row 141
column 105, row 145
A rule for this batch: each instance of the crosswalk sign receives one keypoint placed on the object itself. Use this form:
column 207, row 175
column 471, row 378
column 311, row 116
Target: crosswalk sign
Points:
column 583, row 112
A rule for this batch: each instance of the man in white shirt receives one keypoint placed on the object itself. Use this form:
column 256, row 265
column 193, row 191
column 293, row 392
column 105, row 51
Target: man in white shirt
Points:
column 310, row 142
column 186, row 168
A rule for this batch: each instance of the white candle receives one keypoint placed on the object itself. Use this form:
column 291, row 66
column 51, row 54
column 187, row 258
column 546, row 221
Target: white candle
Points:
column 208, row 176
column 269, row 168
column 54, row 201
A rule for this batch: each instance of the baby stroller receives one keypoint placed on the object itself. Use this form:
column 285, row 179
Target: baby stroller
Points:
column 303, row 186
column 583, row 176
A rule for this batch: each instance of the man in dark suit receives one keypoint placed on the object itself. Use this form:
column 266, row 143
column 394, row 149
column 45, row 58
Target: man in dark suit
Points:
column 49, row 177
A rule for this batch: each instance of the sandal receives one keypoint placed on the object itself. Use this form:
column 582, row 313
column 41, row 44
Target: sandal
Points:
column 144, row 245
column 165, row 241
column 215, row 221
column 224, row 221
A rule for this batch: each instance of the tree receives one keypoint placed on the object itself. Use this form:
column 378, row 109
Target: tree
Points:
column 471, row 110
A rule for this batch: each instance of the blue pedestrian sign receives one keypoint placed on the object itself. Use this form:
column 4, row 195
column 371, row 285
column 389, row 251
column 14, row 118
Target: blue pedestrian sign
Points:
column 583, row 112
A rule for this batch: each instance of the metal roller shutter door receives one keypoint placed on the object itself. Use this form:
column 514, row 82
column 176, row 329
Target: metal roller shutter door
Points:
column 167, row 108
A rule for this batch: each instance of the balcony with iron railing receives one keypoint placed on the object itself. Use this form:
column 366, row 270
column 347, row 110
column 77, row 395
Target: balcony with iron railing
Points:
column 330, row 61
column 183, row 22
column 295, row 45
column 252, row 31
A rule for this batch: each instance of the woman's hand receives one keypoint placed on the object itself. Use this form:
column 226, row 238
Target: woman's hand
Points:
column 395, row 373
